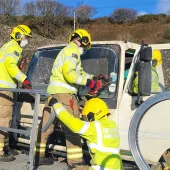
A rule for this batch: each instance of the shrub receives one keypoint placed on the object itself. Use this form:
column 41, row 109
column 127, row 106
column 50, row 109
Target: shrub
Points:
column 122, row 15
column 161, row 15
column 166, row 34
column 147, row 18
column 167, row 20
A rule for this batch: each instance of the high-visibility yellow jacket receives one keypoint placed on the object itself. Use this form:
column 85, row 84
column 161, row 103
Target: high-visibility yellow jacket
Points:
column 155, row 82
column 67, row 72
column 10, row 55
column 102, row 138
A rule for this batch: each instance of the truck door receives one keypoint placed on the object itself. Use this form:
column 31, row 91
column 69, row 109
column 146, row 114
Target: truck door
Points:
column 155, row 124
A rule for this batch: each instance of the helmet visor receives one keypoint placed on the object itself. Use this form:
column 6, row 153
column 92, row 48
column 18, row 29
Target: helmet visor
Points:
column 85, row 42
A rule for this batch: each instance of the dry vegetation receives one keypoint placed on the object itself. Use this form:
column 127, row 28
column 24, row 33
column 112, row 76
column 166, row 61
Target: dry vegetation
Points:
column 52, row 22
column 157, row 31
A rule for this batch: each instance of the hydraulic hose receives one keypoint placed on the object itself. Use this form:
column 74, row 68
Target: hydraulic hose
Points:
column 135, row 124
column 50, row 121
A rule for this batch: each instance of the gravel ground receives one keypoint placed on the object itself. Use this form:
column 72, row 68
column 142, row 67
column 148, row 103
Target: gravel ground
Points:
column 21, row 164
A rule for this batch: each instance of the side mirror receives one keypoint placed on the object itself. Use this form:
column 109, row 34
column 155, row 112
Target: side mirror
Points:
column 145, row 78
column 146, row 54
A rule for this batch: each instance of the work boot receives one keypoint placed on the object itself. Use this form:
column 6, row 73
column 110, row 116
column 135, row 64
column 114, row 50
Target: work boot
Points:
column 70, row 167
column 13, row 152
column 7, row 158
column 77, row 166
column 45, row 161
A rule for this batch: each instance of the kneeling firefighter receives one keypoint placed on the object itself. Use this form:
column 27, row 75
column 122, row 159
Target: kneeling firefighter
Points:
column 67, row 75
column 101, row 133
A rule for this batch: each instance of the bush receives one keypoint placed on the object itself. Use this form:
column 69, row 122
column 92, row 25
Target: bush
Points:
column 164, row 41
column 85, row 13
column 122, row 15
column 166, row 34
column 111, row 20
column 161, row 15
column 167, row 20
column 147, row 18
column 101, row 20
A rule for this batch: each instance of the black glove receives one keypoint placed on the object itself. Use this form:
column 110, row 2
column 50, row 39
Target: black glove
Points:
column 52, row 101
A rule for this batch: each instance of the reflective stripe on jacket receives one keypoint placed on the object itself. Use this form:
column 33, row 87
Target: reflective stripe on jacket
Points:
column 10, row 55
column 102, row 138
column 155, row 82
column 67, row 72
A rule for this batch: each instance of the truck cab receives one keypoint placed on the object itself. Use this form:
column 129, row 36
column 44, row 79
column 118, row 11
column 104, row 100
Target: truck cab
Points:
column 119, row 60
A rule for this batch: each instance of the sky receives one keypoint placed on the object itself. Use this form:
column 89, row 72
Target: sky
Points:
column 105, row 7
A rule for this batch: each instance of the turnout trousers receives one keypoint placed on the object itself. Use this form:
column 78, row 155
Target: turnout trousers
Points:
column 6, row 106
column 73, row 141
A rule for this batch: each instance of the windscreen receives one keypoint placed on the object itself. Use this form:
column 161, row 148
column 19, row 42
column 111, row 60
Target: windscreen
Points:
column 100, row 59
column 41, row 65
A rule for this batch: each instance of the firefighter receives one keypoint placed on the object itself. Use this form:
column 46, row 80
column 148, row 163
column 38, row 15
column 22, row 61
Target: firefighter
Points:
column 102, row 134
column 156, row 61
column 10, row 57
column 67, row 74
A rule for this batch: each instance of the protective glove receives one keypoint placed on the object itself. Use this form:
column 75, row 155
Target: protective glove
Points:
column 27, row 84
column 95, row 85
column 51, row 101
column 106, row 78
column 99, row 85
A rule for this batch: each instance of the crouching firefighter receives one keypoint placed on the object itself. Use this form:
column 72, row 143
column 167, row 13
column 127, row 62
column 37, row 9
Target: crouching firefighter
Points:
column 67, row 75
column 101, row 133
column 10, row 57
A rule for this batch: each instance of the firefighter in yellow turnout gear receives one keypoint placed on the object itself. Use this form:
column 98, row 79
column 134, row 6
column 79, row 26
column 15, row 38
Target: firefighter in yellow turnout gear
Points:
column 10, row 57
column 156, row 61
column 67, row 75
column 101, row 133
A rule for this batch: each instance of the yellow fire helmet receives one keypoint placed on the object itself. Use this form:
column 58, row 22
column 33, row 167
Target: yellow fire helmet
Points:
column 156, row 58
column 20, row 30
column 84, row 37
column 95, row 109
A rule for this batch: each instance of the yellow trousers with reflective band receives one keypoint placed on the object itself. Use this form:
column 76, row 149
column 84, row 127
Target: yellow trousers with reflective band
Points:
column 73, row 141
column 6, row 104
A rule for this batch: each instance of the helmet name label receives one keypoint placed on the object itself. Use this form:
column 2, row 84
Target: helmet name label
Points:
column 99, row 112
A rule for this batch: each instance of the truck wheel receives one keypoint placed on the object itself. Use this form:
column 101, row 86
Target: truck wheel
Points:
column 134, row 129
column 166, row 156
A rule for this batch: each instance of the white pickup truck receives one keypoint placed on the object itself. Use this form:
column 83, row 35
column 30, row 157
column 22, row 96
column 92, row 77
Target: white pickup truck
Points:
column 119, row 60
